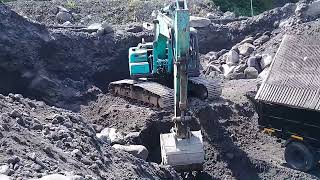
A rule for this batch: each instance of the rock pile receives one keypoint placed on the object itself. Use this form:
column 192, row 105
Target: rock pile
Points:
column 38, row 140
column 253, row 55
column 240, row 62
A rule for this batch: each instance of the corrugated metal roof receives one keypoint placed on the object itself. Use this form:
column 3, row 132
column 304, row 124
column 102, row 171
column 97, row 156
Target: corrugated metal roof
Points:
column 294, row 78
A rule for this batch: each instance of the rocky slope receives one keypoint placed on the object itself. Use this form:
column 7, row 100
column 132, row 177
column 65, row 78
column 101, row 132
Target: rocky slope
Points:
column 37, row 140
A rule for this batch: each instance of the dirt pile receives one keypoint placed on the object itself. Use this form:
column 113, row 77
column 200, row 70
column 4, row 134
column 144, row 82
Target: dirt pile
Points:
column 37, row 140
column 58, row 65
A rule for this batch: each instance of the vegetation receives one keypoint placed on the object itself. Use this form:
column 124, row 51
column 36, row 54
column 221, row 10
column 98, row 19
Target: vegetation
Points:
column 243, row 7
column 70, row 5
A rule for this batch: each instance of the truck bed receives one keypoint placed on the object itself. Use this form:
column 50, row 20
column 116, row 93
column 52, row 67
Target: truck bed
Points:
column 287, row 121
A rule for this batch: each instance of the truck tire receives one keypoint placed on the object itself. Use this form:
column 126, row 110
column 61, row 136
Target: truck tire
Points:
column 299, row 156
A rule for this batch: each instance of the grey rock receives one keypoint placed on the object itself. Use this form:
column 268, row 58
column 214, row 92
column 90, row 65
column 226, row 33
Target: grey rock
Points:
column 55, row 177
column 211, row 16
column 251, row 73
column 227, row 69
column 13, row 160
column 252, row 62
column 199, row 22
column 247, row 40
column 57, row 119
column 21, row 122
column 16, row 97
column 32, row 156
column 261, row 40
column 266, row 61
column 67, row 23
column 63, row 17
column 4, row 169
column 235, row 76
column 100, row 28
column 246, row 49
column 229, row 15
column 240, row 68
column 212, row 55
column 5, row 177
column 63, row 9
column 37, row 126
column 110, row 135
column 15, row 114
column 232, row 57
column 76, row 152
column 136, row 150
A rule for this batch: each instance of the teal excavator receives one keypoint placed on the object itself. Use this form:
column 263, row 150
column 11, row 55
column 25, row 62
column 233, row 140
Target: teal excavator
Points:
column 174, row 54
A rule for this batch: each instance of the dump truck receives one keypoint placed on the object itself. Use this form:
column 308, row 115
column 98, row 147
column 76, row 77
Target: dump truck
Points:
column 288, row 100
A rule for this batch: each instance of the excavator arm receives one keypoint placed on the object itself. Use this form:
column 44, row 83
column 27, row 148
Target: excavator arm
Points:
column 182, row 148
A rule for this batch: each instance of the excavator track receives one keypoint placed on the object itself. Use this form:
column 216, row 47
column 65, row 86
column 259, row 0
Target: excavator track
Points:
column 204, row 88
column 161, row 96
column 148, row 92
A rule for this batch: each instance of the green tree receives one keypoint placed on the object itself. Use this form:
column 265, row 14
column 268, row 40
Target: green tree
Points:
column 243, row 7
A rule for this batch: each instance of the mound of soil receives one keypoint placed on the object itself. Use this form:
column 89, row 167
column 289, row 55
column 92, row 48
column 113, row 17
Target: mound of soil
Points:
column 37, row 140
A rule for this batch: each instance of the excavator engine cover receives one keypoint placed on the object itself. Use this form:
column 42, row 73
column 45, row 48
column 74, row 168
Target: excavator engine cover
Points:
column 183, row 155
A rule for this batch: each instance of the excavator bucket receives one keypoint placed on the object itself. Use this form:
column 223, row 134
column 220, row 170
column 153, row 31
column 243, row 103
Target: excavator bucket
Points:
column 184, row 155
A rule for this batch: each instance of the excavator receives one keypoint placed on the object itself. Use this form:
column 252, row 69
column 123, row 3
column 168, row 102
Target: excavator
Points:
column 174, row 54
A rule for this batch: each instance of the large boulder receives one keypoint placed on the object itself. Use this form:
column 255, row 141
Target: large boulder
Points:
column 246, row 49
column 101, row 28
column 138, row 151
column 266, row 61
column 251, row 73
column 232, row 57
column 110, row 135
column 63, row 17
column 199, row 22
